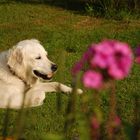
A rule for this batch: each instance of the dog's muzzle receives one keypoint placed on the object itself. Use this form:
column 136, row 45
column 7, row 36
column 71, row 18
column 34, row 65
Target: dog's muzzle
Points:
column 42, row 75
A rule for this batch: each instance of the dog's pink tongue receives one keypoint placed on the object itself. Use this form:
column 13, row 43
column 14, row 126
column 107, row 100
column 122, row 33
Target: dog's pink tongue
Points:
column 50, row 75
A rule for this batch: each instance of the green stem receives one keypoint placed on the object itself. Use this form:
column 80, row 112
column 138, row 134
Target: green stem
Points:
column 112, row 112
column 137, row 117
column 5, row 124
column 59, row 75
column 20, row 119
column 71, row 108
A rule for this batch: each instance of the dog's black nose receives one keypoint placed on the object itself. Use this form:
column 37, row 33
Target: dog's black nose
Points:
column 54, row 67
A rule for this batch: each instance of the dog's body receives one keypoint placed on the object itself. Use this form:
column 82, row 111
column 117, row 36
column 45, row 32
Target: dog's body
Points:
column 22, row 72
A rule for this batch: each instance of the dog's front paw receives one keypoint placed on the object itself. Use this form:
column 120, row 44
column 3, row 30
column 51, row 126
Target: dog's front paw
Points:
column 79, row 91
column 67, row 89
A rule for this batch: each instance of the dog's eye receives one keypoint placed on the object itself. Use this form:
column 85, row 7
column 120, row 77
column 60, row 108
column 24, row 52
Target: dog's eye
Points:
column 39, row 57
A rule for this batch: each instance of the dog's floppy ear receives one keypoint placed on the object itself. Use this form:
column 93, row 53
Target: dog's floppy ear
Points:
column 15, row 57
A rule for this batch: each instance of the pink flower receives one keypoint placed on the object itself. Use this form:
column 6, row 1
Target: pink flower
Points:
column 89, row 53
column 95, row 128
column 95, row 123
column 137, row 60
column 117, row 121
column 103, row 55
column 122, row 61
column 78, row 66
column 137, row 53
column 92, row 79
column 107, row 59
column 113, row 56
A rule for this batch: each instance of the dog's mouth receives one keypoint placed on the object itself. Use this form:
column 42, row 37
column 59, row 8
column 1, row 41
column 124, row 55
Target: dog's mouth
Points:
column 43, row 76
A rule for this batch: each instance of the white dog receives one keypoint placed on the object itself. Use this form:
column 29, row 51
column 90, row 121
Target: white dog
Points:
column 23, row 70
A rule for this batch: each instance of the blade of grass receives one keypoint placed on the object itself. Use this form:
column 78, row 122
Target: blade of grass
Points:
column 5, row 124
column 71, row 107
column 61, row 68
column 20, row 119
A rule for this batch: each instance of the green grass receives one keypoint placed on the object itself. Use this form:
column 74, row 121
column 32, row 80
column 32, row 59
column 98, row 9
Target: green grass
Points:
column 58, row 30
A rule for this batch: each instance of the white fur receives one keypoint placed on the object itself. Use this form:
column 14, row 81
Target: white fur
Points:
column 17, row 80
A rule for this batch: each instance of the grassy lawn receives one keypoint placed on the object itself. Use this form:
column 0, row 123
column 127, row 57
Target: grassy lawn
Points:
column 61, row 30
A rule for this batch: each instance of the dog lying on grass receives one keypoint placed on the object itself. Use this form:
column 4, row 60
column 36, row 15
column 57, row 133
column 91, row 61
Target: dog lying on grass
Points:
column 23, row 70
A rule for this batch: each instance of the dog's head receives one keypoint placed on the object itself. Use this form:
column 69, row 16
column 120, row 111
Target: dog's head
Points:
column 29, row 61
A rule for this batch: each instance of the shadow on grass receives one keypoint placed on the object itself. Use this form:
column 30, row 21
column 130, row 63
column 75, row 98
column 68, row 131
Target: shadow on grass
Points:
column 74, row 5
